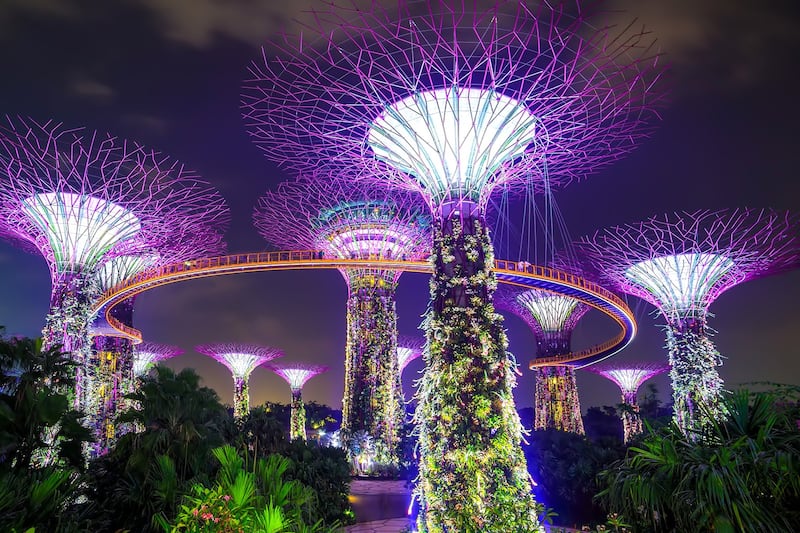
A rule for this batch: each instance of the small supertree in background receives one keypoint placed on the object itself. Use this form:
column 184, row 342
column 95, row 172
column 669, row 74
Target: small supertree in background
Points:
column 296, row 375
column 452, row 104
column 148, row 354
column 552, row 318
column 408, row 349
column 363, row 222
column 681, row 263
column 77, row 197
column 629, row 377
column 241, row 359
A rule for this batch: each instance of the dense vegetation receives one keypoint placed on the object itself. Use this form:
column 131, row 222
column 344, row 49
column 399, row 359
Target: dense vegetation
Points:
column 187, row 467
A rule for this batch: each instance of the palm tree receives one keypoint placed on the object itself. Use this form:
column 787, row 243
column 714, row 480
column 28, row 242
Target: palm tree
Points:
column 741, row 474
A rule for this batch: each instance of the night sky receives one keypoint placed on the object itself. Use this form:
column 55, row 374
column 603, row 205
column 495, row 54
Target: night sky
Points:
column 167, row 73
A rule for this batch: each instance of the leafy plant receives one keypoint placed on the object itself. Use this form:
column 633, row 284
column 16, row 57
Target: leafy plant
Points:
column 742, row 473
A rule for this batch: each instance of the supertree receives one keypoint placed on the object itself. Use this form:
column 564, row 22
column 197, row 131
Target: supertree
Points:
column 681, row 263
column 241, row 360
column 629, row 377
column 357, row 221
column 452, row 102
column 296, row 375
column 147, row 354
column 79, row 197
column 552, row 318
column 408, row 349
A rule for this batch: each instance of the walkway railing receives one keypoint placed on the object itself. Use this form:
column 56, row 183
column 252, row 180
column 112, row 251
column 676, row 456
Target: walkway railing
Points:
column 518, row 273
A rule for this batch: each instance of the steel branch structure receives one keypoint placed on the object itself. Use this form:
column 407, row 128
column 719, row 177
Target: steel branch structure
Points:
column 629, row 377
column 147, row 354
column 241, row 360
column 552, row 317
column 80, row 198
column 408, row 349
column 296, row 375
column 452, row 102
column 681, row 263
column 357, row 221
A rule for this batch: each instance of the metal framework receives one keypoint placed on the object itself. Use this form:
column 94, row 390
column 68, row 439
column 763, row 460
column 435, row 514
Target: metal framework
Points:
column 241, row 359
column 629, row 377
column 552, row 318
column 408, row 349
column 452, row 102
column 147, row 354
column 80, row 198
column 357, row 221
column 296, row 375
column 681, row 263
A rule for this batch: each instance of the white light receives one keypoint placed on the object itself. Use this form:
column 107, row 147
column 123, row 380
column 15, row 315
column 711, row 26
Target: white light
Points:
column 296, row 377
column 365, row 242
column 452, row 140
column 142, row 361
column 680, row 282
column 629, row 379
column 118, row 269
column 550, row 311
column 405, row 356
column 241, row 365
column 79, row 229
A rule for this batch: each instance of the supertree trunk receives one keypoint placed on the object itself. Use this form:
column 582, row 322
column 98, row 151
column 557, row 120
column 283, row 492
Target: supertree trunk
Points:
column 556, row 401
column 696, row 385
column 371, row 404
column 297, row 425
column 473, row 475
column 631, row 420
column 241, row 398
column 67, row 324
column 112, row 366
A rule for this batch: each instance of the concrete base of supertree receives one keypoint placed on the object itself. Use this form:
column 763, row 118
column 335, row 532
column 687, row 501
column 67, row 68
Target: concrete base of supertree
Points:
column 473, row 474
column 557, row 404
column 696, row 384
column 371, row 405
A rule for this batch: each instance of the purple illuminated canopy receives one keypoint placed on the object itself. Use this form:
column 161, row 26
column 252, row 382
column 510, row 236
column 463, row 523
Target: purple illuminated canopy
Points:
column 241, row 359
column 77, row 196
column 147, row 354
column 628, row 377
column 451, row 104
column 408, row 349
column 681, row 262
column 297, row 374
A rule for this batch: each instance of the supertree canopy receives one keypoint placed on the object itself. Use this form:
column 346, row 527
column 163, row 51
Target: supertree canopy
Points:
column 629, row 377
column 296, row 375
column 147, row 354
column 77, row 197
column 357, row 221
column 452, row 102
column 681, row 263
column 408, row 349
column 552, row 318
column 241, row 360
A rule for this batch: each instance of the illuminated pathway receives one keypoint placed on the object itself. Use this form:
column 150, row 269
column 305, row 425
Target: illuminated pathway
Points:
column 519, row 274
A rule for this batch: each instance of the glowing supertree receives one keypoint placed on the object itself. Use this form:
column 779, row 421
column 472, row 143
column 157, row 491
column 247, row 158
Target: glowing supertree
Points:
column 296, row 375
column 552, row 317
column 357, row 222
column 452, row 103
column 147, row 354
column 408, row 349
column 681, row 263
column 79, row 197
column 629, row 377
column 241, row 360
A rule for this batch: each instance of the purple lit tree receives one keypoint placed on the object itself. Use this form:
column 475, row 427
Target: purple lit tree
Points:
column 552, row 317
column 241, row 360
column 629, row 377
column 296, row 375
column 147, row 354
column 357, row 221
column 451, row 104
column 408, row 349
column 80, row 198
column 681, row 263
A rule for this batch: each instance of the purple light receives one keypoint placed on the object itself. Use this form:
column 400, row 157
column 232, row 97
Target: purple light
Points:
column 408, row 349
column 241, row 359
column 297, row 374
column 146, row 354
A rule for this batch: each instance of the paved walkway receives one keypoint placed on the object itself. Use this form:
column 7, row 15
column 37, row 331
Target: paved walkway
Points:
column 380, row 506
